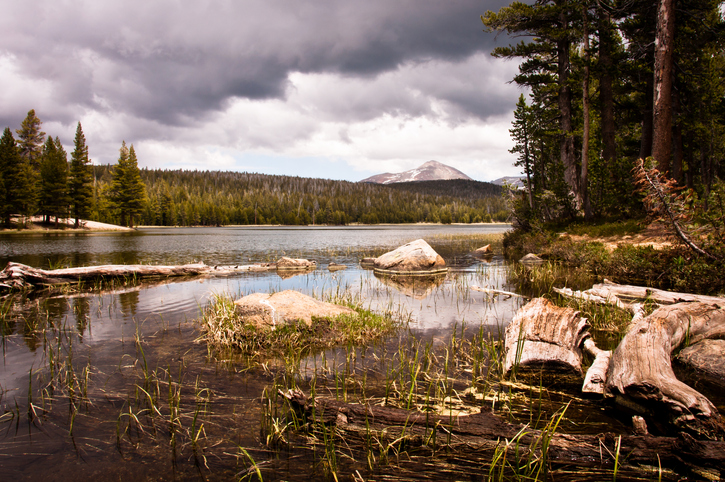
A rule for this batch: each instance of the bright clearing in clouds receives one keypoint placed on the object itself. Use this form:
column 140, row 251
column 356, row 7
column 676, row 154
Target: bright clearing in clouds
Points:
column 330, row 89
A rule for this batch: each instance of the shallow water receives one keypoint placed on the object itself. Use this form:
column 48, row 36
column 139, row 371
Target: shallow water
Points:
column 114, row 384
column 91, row 419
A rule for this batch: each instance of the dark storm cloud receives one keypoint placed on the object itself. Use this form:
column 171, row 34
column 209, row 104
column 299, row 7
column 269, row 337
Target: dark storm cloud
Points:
column 175, row 62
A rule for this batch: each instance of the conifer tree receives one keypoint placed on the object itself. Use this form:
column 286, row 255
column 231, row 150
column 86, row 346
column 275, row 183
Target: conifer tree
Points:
column 81, row 178
column 31, row 139
column 54, row 179
column 128, row 190
column 11, row 177
column 30, row 147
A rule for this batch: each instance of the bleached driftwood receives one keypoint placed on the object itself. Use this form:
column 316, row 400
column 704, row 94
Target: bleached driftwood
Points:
column 18, row 276
column 542, row 334
column 497, row 292
column 628, row 294
column 596, row 376
column 640, row 372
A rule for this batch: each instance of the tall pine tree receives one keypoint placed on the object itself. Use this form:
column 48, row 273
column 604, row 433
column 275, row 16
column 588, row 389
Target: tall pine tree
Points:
column 54, row 179
column 11, row 178
column 128, row 190
column 81, row 178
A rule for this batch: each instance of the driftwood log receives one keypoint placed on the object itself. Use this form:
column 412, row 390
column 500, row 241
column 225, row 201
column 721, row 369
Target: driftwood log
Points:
column 544, row 335
column 18, row 276
column 628, row 296
column 640, row 371
column 638, row 374
column 483, row 432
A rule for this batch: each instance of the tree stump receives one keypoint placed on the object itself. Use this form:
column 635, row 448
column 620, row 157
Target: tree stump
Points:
column 545, row 335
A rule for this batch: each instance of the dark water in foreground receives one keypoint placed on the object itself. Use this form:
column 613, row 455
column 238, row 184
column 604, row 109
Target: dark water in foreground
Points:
column 115, row 385
column 90, row 420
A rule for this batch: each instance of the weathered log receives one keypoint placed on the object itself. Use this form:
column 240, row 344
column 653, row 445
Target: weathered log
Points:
column 629, row 293
column 488, row 431
column 18, row 276
column 542, row 334
column 640, row 372
column 492, row 291
column 596, row 377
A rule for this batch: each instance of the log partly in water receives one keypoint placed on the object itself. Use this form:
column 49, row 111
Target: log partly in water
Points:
column 484, row 431
column 18, row 276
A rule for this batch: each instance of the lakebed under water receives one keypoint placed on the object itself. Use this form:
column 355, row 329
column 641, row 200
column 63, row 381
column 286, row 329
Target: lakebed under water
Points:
column 115, row 384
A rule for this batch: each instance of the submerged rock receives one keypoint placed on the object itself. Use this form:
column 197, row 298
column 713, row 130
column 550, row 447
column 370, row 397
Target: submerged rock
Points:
column 367, row 263
column 531, row 259
column 335, row 267
column 416, row 257
column 267, row 311
column 484, row 251
column 286, row 263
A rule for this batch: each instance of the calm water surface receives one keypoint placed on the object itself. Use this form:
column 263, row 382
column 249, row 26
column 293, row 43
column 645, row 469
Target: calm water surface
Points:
column 78, row 370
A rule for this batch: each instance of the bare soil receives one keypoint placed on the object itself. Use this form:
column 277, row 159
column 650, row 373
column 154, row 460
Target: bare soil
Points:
column 657, row 234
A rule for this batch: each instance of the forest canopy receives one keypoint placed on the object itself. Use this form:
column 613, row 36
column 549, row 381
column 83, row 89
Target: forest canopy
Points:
column 611, row 82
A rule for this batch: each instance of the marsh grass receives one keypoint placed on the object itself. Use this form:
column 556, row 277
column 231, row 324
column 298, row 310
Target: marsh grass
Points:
column 224, row 329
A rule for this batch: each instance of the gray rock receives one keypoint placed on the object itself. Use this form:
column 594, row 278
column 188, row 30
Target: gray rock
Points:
column 706, row 357
column 416, row 257
column 285, row 263
column 266, row 311
column 531, row 259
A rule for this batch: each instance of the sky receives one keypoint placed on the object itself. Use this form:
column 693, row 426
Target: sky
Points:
column 335, row 89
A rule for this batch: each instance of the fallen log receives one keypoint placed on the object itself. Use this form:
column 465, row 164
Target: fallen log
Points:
column 18, row 276
column 485, row 431
column 542, row 334
column 629, row 293
column 640, row 373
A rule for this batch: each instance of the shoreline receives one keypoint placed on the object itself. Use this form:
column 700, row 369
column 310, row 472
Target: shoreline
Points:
column 39, row 227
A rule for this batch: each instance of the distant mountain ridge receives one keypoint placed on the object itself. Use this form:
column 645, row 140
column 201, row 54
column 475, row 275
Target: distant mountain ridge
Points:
column 513, row 181
column 430, row 171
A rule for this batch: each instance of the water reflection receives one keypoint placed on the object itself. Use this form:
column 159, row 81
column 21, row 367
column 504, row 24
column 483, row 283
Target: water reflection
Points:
column 141, row 342
column 417, row 287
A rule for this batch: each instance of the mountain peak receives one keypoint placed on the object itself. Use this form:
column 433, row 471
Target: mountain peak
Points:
column 429, row 171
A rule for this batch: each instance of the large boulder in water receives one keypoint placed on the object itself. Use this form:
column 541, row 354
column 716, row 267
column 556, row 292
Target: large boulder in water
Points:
column 295, row 264
column 266, row 311
column 416, row 257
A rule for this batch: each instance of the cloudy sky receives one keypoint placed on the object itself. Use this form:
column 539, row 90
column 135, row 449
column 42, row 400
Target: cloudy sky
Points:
column 338, row 89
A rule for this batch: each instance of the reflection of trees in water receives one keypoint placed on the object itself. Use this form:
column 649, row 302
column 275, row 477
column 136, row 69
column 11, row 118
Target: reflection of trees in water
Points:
column 39, row 315
column 417, row 287
column 81, row 311
column 129, row 302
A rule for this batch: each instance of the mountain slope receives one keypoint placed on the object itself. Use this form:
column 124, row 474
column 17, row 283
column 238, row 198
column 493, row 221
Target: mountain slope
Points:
column 430, row 171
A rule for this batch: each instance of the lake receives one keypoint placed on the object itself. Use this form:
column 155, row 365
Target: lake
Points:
column 116, row 385
column 99, row 341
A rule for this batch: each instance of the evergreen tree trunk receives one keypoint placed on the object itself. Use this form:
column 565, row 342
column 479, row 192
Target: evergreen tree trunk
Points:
column 645, row 149
column 584, row 187
column 677, row 149
column 566, row 145
column 663, row 75
column 606, row 95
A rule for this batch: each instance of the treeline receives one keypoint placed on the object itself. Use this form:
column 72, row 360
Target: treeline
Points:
column 37, row 178
column 213, row 198
column 612, row 82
